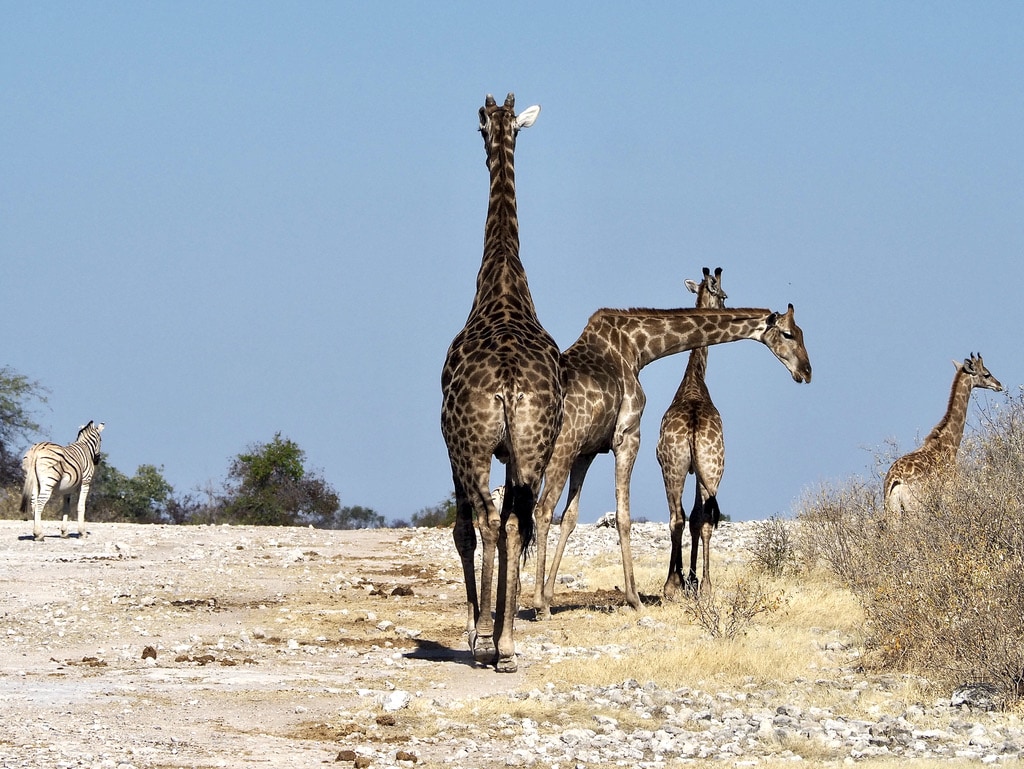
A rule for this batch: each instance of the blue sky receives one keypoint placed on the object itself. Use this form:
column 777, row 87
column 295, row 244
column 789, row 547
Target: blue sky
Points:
column 223, row 220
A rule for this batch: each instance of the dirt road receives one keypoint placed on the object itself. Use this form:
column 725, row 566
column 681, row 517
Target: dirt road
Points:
column 164, row 646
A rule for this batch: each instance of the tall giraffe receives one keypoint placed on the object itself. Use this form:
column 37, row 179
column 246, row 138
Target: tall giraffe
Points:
column 604, row 402
column 501, row 396
column 939, row 450
column 691, row 441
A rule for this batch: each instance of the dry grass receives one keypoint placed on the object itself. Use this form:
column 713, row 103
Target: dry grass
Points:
column 664, row 644
column 943, row 586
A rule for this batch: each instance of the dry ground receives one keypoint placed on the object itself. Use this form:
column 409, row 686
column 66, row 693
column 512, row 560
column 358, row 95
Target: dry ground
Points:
column 161, row 646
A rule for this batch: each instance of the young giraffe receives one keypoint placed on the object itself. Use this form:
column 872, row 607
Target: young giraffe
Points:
column 502, row 396
column 604, row 403
column 691, row 441
column 938, row 452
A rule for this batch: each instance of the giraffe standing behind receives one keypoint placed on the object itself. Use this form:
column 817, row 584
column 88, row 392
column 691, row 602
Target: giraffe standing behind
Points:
column 691, row 441
column 604, row 402
column 938, row 452
column 501, row 396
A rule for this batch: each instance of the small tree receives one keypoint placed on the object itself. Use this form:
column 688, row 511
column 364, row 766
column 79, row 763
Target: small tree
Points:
column 440, row 515
column 269, row 486
column 355, row 518
column 16, row 423
column 143, row 498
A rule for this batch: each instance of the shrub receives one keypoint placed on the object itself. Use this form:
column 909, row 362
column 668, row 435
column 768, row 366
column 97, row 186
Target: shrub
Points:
column 774, row 551
column 942, row 588
column 728, row 610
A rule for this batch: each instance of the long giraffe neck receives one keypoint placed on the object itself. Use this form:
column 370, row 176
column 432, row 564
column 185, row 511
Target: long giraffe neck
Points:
column 944, row 439
column 502, row 280
column 643, row 336
column 693, row 385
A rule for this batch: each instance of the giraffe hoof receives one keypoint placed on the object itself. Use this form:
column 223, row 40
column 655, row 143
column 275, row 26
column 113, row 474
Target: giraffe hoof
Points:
column 484, row 650
column 507, row 664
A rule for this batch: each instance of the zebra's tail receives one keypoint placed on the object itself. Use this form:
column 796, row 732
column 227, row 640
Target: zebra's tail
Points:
column 31, row 482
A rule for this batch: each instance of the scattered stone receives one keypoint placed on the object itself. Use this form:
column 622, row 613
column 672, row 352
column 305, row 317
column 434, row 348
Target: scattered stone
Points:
column 978, row 696
column 397, row 700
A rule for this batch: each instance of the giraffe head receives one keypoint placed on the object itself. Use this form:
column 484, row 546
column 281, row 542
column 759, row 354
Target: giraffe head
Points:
column 786, row 339
column 500, row 125
column 710, row 295
column 974, row 367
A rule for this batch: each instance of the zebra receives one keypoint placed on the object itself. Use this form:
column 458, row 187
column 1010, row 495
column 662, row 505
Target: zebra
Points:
column 50, row 467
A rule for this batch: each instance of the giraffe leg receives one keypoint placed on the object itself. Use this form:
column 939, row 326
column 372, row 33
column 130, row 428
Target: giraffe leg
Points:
column 696, row 519
column 510, row 548
column 554, row 482
column 677, row 521
column 711, row 517
column 625, row 456
column 569, row 518
column 674, row 484
column 490, row 529
column 464, row 535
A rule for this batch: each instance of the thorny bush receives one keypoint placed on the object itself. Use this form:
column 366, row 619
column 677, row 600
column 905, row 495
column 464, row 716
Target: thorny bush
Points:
column 942, row 588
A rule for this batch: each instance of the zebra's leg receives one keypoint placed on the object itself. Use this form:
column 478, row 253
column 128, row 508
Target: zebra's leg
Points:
column 39, row 500
column 82, row 494
column 64, row 516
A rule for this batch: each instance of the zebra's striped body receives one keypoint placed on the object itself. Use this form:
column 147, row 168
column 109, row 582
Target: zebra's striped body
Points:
column 50, row 467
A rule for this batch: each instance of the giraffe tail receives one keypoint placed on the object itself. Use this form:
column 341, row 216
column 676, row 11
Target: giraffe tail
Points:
column 711, row 508
column 520, row 499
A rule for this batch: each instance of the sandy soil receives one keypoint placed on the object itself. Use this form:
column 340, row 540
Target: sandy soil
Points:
column 163, row 646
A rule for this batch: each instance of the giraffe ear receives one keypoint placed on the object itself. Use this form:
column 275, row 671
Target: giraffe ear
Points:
column 691, row 285
column 528, row 116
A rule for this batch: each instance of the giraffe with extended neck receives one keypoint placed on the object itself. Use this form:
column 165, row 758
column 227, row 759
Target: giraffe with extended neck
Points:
column 691, row 441
column 940, row 447
column 604, row 402
column 502, row 397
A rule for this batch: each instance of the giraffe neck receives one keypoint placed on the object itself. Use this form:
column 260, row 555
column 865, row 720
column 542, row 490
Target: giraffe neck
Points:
column 944, row 439
column 641, row 336
column 502, row 279
column 692, row 385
